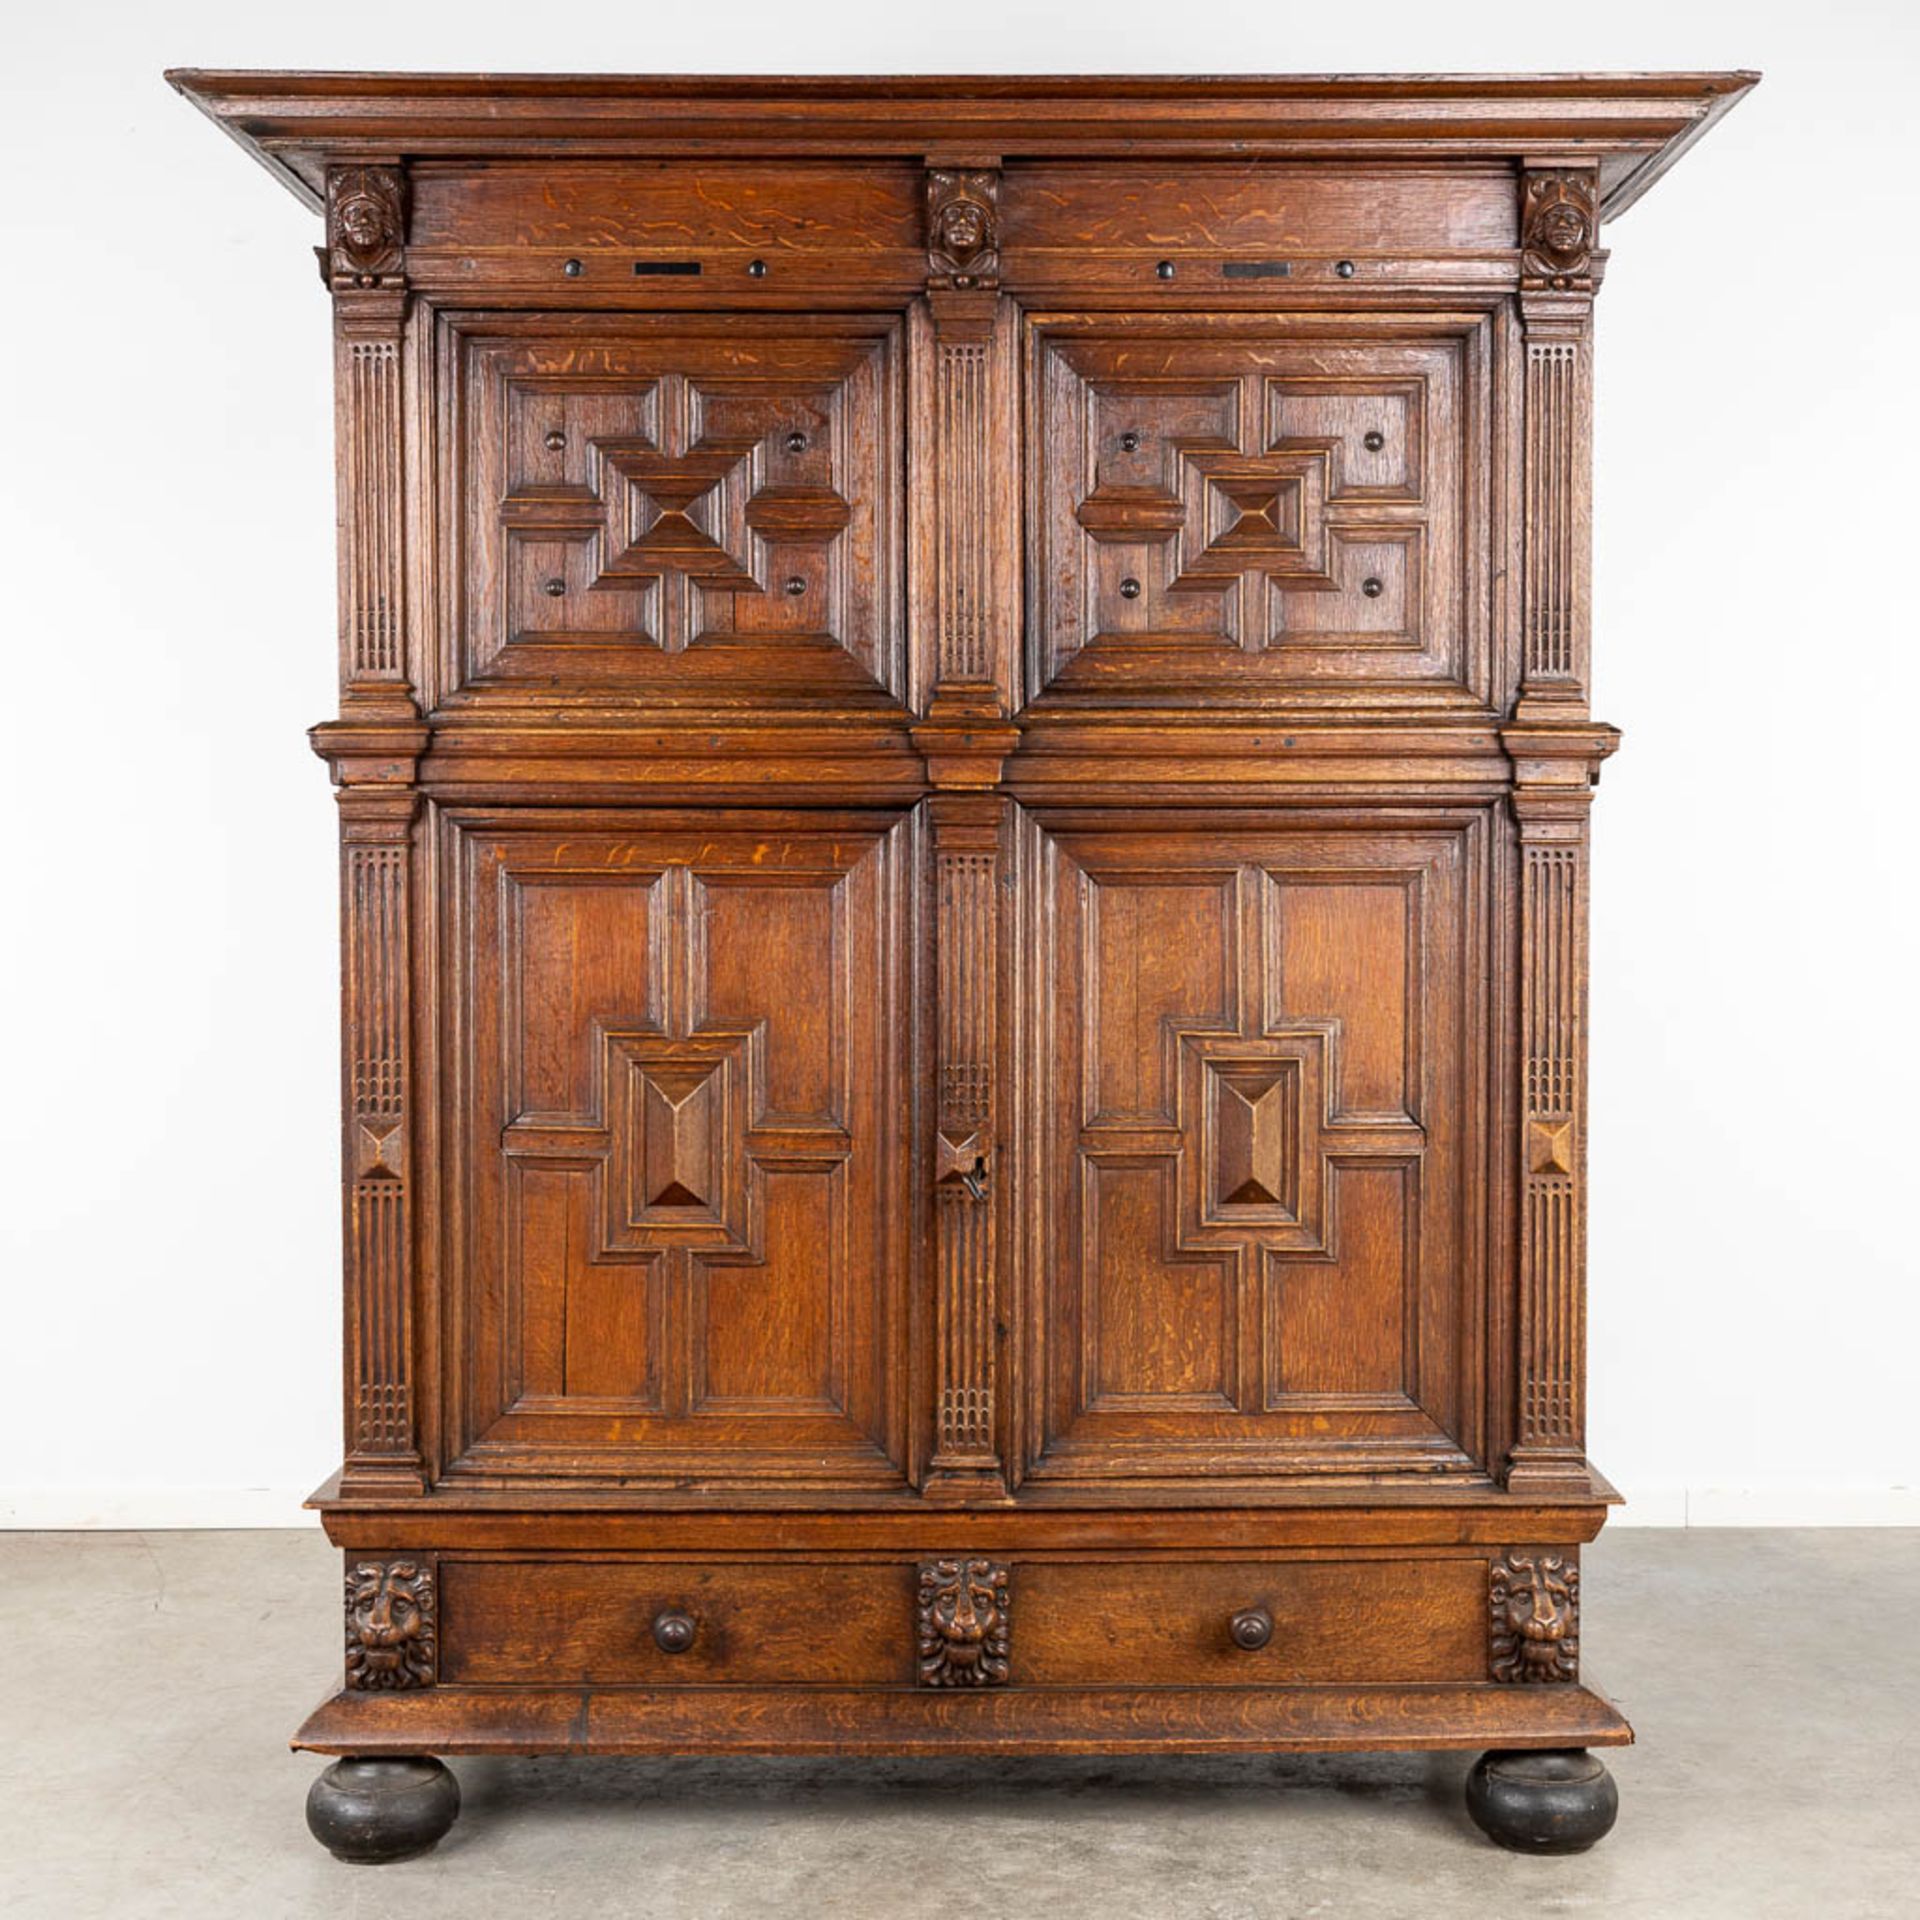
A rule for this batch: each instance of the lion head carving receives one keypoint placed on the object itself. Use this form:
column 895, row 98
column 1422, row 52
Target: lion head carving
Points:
column 390, row 1624
column 1534, row 1603
column 963, row 1623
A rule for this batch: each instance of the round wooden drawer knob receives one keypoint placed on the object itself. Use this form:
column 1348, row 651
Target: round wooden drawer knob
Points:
column 673, row 1632
column 1251, row 1628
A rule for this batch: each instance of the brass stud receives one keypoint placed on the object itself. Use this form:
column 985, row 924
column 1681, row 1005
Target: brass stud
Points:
column 555, row 588
column 555, row 440
column 1165, row 269
column 1374, row 441
column 1129, row 589
column 1345, row 269
column 796, row 441
column 573, row 269
column 756, row 269
column 1372, row 587
column 796, row 587
column 1129, row 442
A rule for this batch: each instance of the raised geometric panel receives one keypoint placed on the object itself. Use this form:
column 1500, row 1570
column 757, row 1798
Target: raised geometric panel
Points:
column 679, row 1167
column 687, row 1100
column 1240, row 502
column 1258, row 1244
column 1251, row 1148
column 680, row 507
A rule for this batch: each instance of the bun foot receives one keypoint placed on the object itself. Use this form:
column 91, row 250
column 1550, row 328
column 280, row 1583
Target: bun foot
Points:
column 1550, row 1801
column 372, row 1812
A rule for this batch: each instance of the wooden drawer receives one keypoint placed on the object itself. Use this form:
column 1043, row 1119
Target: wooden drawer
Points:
column 1074, row 1623
column 822, row 1623
column 1166, row 1623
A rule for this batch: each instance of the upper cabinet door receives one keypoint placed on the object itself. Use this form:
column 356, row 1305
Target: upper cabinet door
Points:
column 1239, row 507
column 682, row 509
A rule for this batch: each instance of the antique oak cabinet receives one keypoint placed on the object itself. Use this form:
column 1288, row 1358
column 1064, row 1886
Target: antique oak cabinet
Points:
column 963, row 765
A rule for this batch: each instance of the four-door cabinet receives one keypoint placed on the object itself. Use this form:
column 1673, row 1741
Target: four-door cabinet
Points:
column 963, row 764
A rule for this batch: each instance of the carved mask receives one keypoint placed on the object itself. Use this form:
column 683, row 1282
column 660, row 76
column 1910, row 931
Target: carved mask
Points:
column 389, row 1625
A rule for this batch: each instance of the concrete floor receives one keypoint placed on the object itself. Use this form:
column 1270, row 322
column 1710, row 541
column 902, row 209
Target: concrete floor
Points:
column 153, row 1679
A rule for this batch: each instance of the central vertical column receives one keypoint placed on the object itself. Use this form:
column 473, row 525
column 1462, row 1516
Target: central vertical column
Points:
column 967, row 607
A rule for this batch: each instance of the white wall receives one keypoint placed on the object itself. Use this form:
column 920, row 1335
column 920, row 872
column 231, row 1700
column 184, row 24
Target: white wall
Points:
column 169, row 1221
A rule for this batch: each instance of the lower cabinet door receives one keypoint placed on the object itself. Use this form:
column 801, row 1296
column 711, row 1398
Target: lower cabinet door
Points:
column 678, row 1061
column 1254, row 1147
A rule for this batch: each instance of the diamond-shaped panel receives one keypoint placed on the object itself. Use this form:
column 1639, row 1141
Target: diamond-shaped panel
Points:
column 677, row 1116
column 1256, row 1135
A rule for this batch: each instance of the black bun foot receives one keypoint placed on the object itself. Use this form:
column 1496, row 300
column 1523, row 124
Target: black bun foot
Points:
column 372, row 1812
column 1554, row 1801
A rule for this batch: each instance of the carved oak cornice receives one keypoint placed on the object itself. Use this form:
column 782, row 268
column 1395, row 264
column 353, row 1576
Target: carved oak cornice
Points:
column 1634, row 126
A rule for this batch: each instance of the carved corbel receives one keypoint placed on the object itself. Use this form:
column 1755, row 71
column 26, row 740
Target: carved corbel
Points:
column 366, row 229
column 963, row 226
column 1559, row 229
